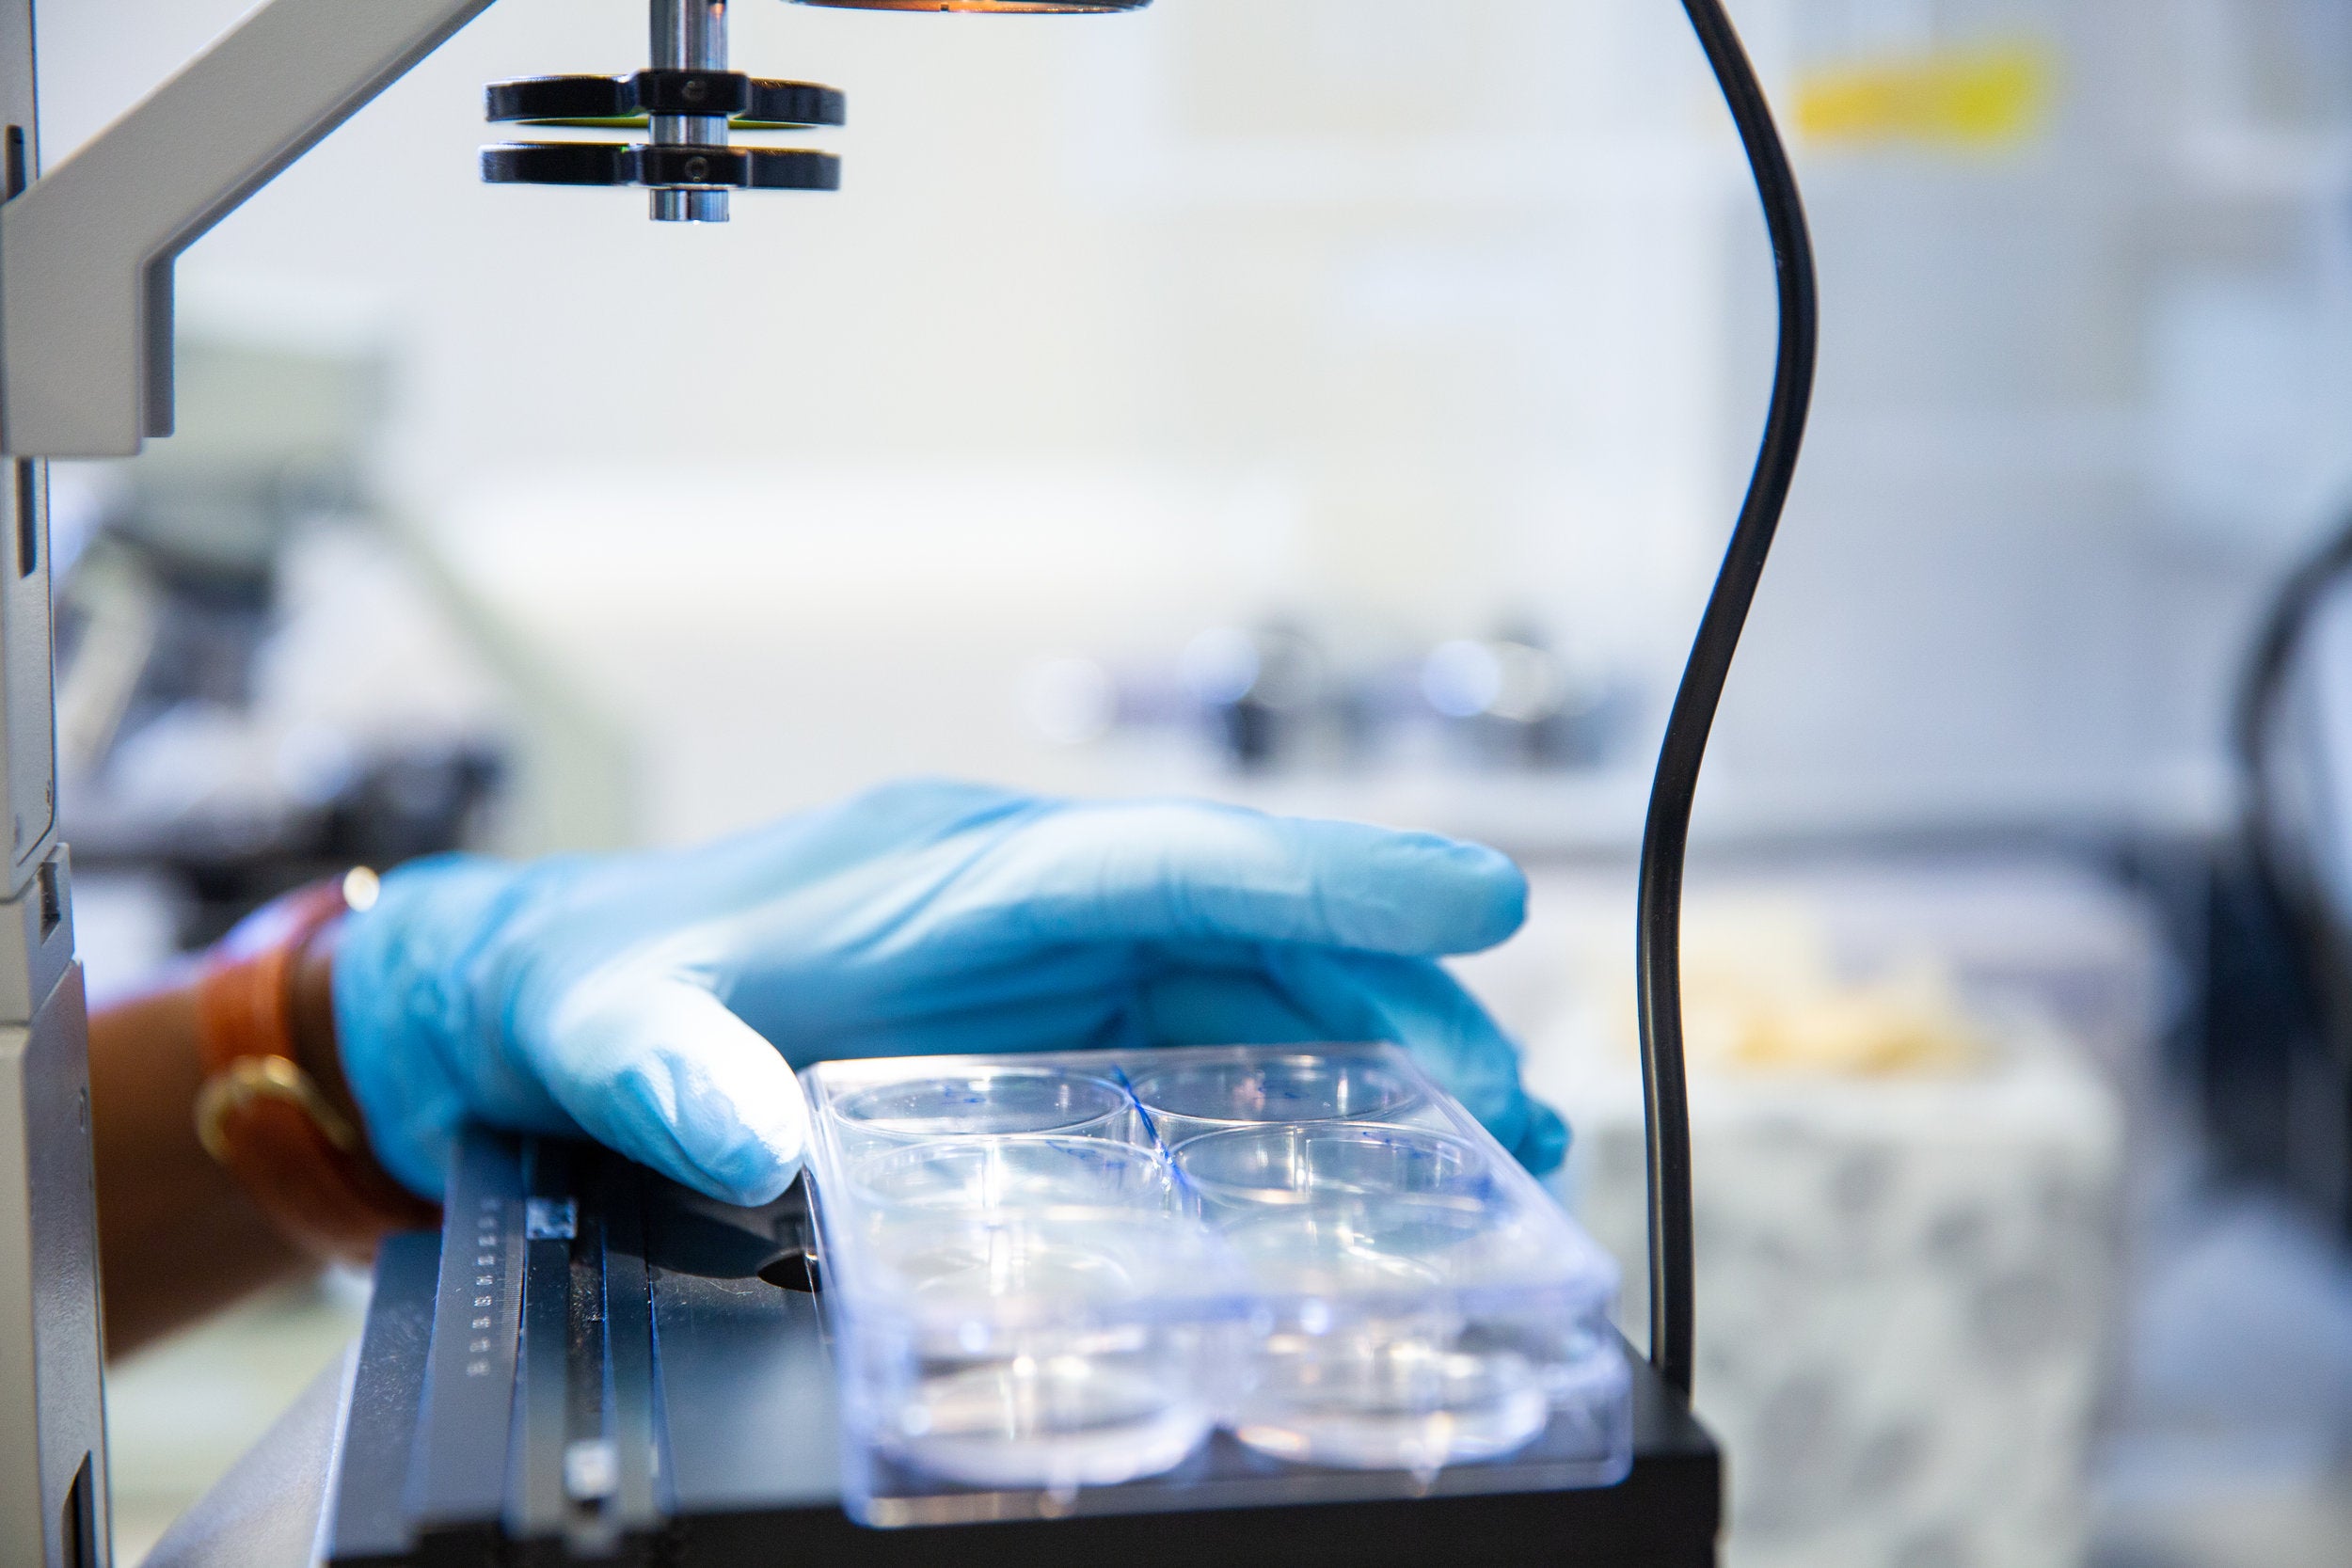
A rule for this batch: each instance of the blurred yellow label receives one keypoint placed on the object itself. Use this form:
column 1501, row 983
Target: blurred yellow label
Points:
column 1973, row 99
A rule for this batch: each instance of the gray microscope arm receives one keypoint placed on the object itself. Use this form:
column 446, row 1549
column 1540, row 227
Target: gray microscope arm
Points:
column 87, row 251
column 86, row 261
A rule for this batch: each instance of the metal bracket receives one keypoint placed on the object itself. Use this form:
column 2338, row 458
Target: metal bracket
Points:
column 87, row 252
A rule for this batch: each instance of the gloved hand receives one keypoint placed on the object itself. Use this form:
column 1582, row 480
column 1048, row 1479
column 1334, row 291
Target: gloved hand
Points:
column 657, row 1001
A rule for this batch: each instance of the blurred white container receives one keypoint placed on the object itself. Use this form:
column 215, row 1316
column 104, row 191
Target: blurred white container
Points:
column 1906, row 1279
column 1905, row 1293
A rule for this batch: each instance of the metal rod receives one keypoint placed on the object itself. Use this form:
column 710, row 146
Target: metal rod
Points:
column 690, row 35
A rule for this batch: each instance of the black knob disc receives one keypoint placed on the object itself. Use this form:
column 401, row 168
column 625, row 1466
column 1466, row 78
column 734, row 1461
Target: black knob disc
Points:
column 747, row 102
column 661, row 166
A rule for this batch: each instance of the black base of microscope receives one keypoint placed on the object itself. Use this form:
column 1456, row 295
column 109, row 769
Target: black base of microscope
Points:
column 588, row 1365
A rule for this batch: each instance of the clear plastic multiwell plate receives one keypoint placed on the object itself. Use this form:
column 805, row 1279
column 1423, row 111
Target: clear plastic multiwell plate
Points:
column 1217, row 1267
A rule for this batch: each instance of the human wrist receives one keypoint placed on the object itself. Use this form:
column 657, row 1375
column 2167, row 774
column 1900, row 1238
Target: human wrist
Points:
column 271, row 1108
column 310, row 1002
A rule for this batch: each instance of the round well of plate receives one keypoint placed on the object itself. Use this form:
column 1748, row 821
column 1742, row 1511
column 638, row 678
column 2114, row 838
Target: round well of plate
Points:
column 1374, row 1400
column 1190, row 1098
column 994, row 1101
column 1054, row 1419
column 1053, row 1261
column 1026, row 1172
column 1317, row 1161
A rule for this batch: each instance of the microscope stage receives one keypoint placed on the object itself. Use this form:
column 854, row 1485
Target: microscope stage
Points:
column 612, row 1366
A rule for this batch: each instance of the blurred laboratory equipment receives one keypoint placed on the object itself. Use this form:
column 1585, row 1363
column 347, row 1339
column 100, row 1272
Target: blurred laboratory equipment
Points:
column 1283, row 696
column 1911, row 1177
column 1269, row 694
column 2277, row 1067
column 253, row 689
column 1512, row 700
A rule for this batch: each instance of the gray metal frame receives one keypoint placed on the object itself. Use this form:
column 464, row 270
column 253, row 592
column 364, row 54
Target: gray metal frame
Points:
column 85, row 280
column 85, row 254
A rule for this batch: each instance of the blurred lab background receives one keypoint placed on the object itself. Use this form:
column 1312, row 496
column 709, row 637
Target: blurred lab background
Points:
column 1337, row 406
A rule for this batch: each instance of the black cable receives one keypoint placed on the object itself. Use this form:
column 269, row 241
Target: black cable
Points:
column 1658, row 956
column 2261, row 698
column 2291, row 894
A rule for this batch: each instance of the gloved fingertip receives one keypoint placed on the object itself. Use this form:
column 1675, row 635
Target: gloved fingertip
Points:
column 1543, row 1146
column 754, row 1181
column 1504, row 909
column 742, row 1153
column 1468, row 897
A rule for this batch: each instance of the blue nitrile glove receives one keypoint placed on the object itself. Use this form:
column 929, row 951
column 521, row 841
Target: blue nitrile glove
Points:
column 656, row 1001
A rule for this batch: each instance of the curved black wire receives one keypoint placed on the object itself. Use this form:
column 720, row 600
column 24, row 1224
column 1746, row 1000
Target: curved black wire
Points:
column 2262, row 690
column 1658, row 942
column 2288, row 889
